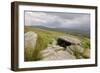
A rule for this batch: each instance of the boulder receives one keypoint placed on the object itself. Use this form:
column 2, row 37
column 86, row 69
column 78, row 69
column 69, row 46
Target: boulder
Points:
column 69, row 40
column 79, row 49
column 30, row 39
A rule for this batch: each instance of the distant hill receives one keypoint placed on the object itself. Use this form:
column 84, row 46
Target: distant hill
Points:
column 75, row 31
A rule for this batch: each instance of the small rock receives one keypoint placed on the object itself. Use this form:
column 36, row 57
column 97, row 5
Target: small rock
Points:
column 86, row 53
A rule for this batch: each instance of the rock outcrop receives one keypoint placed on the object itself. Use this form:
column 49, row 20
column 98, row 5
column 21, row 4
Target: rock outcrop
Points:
column 56, row 53
column 64, row 48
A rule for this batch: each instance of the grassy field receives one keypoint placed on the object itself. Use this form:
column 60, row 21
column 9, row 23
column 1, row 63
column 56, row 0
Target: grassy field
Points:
column 44, row 38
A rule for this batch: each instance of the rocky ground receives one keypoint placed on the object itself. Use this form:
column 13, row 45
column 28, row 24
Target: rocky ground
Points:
column 55, row 51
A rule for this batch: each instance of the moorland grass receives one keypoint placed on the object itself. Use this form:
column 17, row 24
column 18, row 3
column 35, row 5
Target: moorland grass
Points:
column 44, row 38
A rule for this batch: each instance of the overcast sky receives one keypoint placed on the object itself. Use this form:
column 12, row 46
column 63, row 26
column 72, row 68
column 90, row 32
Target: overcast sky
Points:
column 57, row 20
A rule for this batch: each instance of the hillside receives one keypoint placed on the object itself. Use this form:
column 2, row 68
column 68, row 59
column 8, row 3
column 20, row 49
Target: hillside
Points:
column 47, row 37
